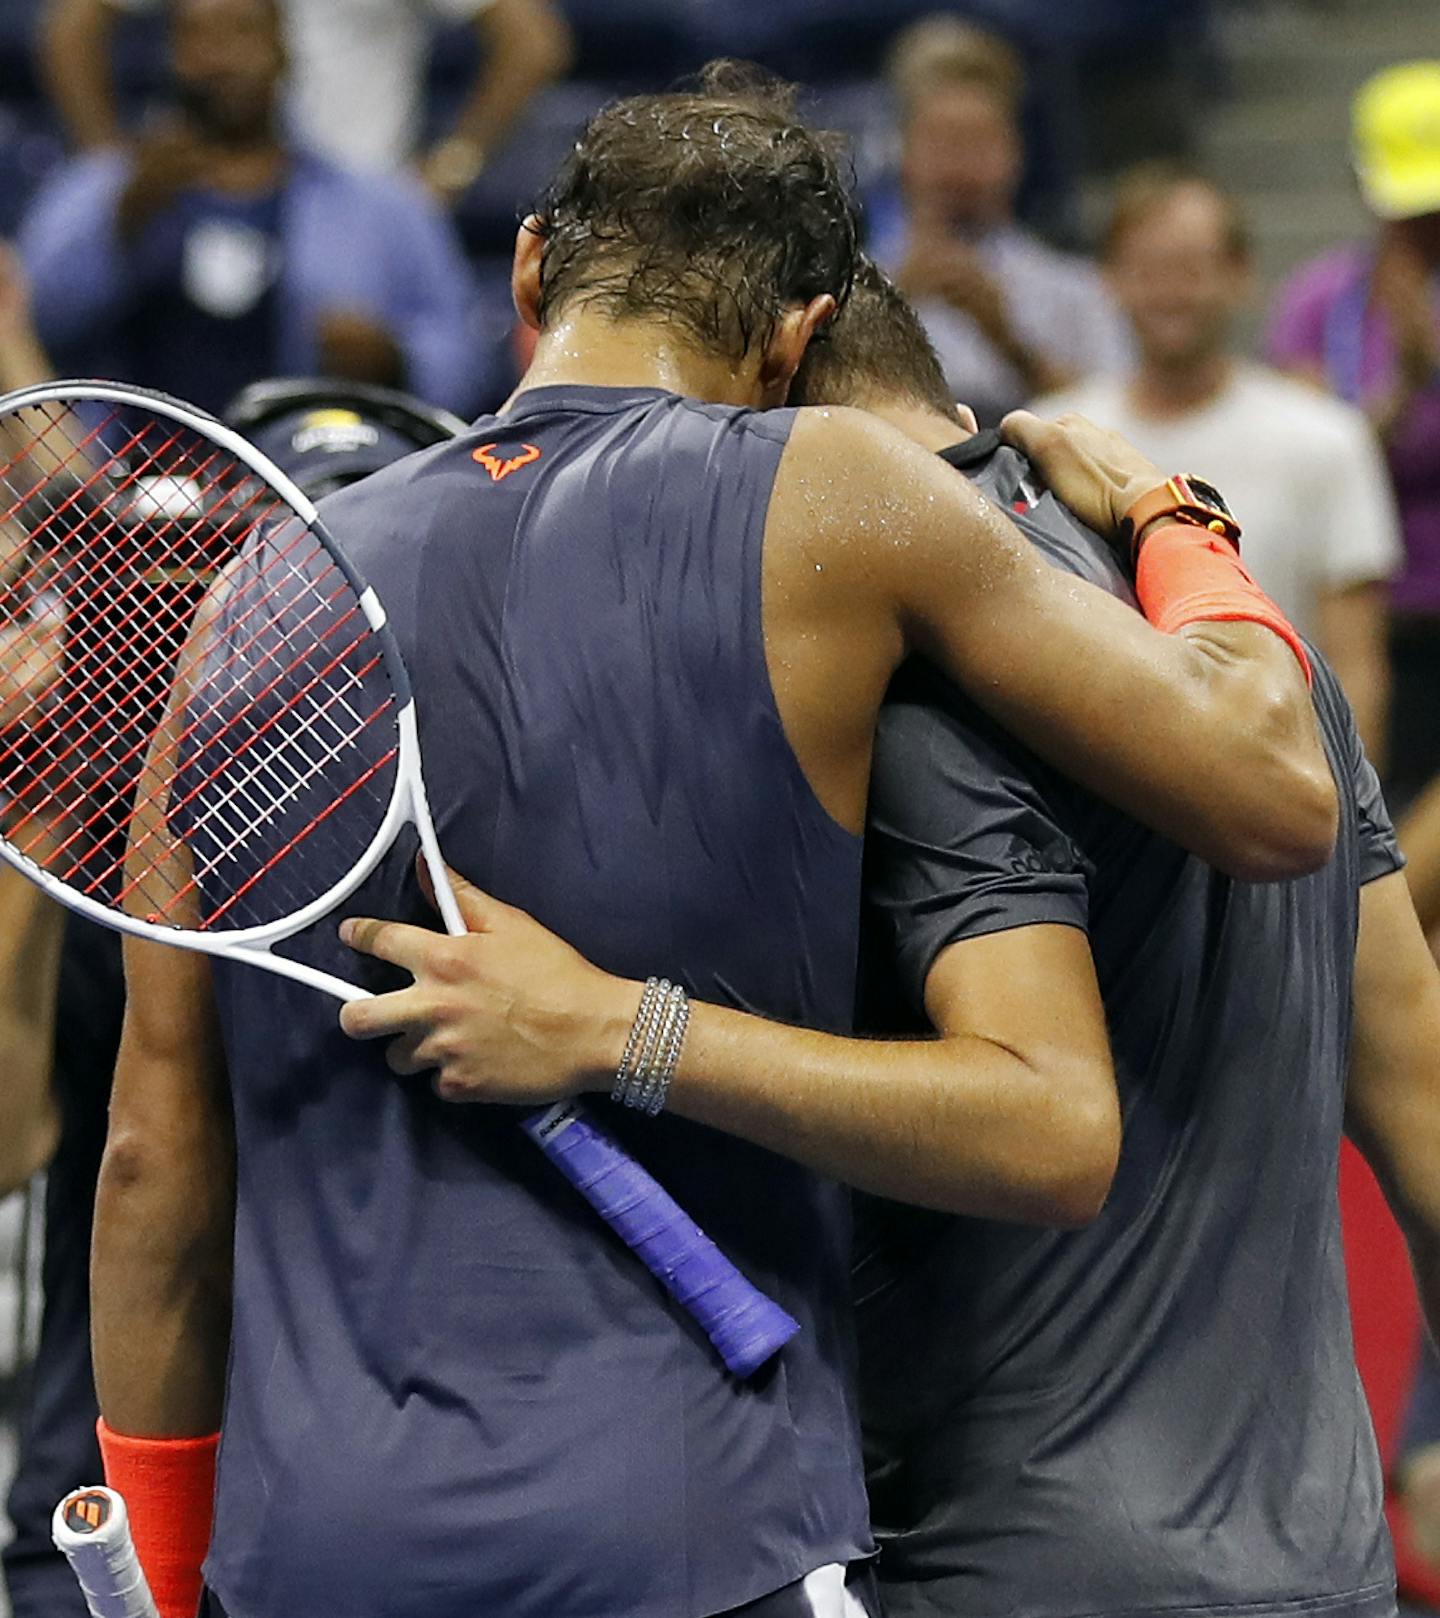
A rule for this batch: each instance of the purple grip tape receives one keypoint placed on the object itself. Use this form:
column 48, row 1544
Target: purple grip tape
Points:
column 745, row 1326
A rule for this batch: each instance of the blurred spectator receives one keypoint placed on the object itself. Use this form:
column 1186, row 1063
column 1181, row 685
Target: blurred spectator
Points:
column 30, row 924
column 59, row 1022
column 1303, row 473
column 357, row 93
column 213, row 253
column 1362, row 321
column 1009, row 316
column 22, row 358
column 58, row 1449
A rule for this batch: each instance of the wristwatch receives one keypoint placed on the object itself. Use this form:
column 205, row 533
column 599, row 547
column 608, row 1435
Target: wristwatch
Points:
column 1186, row 499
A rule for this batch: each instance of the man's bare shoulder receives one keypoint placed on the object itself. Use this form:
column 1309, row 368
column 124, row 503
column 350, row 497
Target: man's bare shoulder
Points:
column 844, row 438
column 861, row 497
column 854, row 478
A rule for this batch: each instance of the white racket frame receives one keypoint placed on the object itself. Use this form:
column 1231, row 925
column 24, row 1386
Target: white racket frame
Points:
column 408, row 802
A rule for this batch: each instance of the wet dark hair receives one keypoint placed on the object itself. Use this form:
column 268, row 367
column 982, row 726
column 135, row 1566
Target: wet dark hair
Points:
column 877, row 349
column 711, row 205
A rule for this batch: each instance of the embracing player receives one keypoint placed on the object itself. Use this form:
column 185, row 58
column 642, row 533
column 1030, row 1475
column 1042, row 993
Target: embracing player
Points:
column 1159, row 1410
column 649, row 629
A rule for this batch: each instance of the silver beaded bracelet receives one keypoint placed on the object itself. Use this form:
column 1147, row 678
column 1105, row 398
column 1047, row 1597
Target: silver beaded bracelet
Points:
column 652, row 1051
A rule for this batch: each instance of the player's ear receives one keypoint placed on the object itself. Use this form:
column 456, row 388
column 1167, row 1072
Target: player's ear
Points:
column 788, row 342
column 525, row 270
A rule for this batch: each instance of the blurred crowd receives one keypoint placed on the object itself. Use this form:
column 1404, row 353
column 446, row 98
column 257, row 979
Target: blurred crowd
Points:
column 200, row 194
column 348, row 203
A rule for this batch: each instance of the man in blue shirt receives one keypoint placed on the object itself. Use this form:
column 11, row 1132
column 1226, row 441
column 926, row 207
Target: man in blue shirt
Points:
column 212, row 252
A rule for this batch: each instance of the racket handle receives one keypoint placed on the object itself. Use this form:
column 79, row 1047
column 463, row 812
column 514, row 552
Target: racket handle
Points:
column 745, row 1326
column 92, row 1528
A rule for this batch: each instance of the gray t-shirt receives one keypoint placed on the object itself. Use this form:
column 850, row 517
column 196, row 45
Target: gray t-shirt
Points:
column 1161, row 1410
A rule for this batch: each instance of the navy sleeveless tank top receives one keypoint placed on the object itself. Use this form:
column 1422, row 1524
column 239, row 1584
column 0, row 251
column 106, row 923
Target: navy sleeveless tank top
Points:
column 452, row 1392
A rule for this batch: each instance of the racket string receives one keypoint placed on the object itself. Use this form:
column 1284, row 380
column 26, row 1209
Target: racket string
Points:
column 95, row 571
column 83, row 740
column 135, row 624
column 52, row 667
column 280, row 745
column 205, row 713
column 239, row 793
column 298, row 782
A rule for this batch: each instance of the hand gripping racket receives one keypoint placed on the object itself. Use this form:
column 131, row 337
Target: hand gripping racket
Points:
column 207, row 738
column 92, row 1529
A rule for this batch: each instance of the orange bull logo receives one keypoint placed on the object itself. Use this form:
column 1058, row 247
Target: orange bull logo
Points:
column 498, row 468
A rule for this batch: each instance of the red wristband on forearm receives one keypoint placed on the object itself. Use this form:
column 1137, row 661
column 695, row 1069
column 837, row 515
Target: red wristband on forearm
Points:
column 1188, row 575
column 169, row 1490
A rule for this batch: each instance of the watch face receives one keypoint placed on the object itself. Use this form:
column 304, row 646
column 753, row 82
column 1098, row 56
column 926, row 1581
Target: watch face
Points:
column 1208, row 495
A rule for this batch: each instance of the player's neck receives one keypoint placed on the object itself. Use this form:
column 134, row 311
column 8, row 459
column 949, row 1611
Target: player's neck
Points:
column 1159, row 392
column 588, row 349
column 929, row 429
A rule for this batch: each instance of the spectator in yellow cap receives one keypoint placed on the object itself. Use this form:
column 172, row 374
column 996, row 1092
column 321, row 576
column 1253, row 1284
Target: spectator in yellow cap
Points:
column 1363, row 322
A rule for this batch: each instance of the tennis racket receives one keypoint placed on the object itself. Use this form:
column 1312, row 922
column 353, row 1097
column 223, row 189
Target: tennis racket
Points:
column 92, row 1529
column 208, row 738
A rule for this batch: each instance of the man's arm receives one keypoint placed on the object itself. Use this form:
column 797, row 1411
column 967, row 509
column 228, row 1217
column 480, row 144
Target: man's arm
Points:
column 1208, row 734
column 74, row 50
column 160, row 1272
column 525, row 45
column 1009, row 1113
column 1393, row 1098
column 164, row 1211
column 1420, row 838
column 1352, row 624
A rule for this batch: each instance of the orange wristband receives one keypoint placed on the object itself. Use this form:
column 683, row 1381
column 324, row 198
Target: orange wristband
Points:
column 169, row 1490
column 1187, row 575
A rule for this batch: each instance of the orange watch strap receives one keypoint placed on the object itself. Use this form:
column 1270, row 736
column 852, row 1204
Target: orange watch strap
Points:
column 1172, row 499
